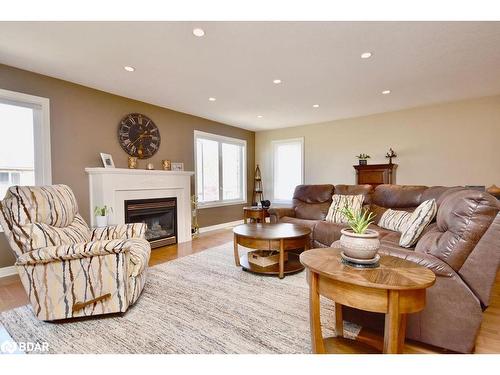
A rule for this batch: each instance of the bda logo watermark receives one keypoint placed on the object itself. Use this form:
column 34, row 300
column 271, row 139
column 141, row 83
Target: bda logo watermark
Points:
column 10, row 347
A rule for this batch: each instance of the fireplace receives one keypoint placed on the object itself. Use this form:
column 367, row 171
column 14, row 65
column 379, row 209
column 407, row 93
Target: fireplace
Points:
column 159, row 214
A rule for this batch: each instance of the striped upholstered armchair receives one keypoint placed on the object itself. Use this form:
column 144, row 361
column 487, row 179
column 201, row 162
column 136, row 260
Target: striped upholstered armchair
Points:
column 67, row 269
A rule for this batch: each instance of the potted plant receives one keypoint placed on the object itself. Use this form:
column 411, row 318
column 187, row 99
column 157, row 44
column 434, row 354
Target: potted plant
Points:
column 358, row 241
column 363, row 159
column 101, row 215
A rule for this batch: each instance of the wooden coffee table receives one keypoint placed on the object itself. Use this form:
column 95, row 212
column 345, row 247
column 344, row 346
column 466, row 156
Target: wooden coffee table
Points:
column 396, row 288
column 280, row 237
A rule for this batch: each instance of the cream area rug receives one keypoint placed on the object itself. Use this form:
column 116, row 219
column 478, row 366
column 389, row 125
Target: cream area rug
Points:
column 202, row 303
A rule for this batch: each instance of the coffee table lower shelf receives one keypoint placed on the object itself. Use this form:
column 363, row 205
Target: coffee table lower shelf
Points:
column 292, row 265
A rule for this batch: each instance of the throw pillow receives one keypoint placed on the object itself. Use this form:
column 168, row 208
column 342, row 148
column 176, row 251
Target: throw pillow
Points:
column 409, row 224
column 420, row 218
column 335, row 215
column 394, row 220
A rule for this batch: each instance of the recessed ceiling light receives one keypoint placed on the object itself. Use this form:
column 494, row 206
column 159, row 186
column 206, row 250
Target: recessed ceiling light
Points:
column 276, row 81
column 212, row 99
column 198, row 32
column 129, row 68
column 315, row 105
column 259, row 116
column 366, row 55
column 385, row 92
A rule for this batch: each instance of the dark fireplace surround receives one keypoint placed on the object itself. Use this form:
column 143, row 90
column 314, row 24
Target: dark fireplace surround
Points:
column 160, row 216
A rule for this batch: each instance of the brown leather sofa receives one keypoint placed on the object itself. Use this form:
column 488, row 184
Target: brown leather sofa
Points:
column 462, row 247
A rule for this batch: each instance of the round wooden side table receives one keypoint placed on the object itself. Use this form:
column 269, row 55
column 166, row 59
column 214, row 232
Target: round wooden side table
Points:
column 280, row 237
column 396, row 288
column 256, row 213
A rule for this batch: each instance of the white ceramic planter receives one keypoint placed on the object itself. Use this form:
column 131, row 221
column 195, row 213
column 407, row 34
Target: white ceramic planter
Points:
column 101, row 221
column 360, row 246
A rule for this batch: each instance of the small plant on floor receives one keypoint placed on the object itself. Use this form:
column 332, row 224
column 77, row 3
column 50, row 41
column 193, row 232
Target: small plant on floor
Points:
column 358, row 221
column 102, row 211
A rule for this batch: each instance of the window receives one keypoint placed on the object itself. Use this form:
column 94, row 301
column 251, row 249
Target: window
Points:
column 25, row 155
column 220, row 164
column 288, row 168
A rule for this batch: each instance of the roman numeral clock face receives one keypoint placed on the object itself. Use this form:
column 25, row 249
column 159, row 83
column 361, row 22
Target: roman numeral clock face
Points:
column 138, row 135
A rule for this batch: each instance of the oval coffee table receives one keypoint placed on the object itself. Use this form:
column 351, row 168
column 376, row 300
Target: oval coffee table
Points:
column 280, row 237
column 396, row 288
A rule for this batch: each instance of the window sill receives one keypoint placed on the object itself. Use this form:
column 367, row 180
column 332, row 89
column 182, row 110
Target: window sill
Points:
column 221, row 204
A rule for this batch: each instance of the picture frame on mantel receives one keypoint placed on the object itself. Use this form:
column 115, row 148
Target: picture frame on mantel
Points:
column 107, row 160
column 177, row 166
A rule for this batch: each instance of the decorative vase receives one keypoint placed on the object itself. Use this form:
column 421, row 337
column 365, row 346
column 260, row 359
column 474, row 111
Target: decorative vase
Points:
column 360, row 246
column 101, row 221
column 363, row 162
column 150, row 166
column 132, row 162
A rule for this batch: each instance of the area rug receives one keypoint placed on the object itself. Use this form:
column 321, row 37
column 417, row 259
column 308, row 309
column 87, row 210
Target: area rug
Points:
column 202, row 303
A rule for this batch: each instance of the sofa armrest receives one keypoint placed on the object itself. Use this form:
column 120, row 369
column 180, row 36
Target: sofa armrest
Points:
column 276, row 213
column 74, row 251
column 120, row 231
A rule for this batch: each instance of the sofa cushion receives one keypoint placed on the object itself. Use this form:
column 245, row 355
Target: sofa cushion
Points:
column 311, row 224
column 398, row 196
column 326, row 233
column 313, row 193
column 462, row 219
column 311, row 202
column 339, row 202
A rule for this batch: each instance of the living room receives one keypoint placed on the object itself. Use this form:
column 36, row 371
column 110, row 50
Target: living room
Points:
column 250, row 187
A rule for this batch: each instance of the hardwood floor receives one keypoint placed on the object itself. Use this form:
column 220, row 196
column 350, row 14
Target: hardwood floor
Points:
column 13, row 295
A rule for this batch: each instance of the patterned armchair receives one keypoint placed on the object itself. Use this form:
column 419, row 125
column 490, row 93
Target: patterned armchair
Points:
column 67, row 269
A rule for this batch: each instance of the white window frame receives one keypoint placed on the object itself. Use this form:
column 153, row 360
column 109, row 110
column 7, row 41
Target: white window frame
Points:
column 274, row 167
column 221, row 139
column 41, row 131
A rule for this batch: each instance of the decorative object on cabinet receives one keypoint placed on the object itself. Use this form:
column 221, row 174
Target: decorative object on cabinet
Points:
column 177, row 166
column 107, row 160
column 258, row 193
column 391, row 155
column 150, row 166
column 363, row 159
column 132, row 162
column 376, row 174
column 195, row 228
column 138, row 135
column 494, row 190
column 167, row 165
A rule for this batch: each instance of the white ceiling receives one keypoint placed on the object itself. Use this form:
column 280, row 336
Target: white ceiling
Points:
column 319, row 63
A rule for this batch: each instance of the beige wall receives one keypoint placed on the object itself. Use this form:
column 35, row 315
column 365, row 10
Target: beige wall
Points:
column 448, row 144
column 84, row 123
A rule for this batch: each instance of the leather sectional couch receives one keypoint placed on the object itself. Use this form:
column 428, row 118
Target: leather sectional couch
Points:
column 461, row 246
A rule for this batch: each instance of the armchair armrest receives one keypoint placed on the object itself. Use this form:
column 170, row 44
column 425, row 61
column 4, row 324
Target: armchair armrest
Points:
column 74, row 251
column 120, row 231
column 276, row 213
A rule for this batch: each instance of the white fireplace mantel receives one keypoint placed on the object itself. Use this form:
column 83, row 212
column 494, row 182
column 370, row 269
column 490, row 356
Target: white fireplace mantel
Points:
column 113, row 186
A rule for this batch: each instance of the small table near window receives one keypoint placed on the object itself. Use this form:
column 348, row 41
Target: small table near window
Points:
column 256, row 213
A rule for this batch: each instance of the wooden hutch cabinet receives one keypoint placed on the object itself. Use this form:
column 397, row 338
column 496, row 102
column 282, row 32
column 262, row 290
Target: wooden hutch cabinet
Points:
column 376, row 174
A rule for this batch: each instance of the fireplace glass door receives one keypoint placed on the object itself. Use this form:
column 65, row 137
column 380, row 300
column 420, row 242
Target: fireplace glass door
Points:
column 160, row 216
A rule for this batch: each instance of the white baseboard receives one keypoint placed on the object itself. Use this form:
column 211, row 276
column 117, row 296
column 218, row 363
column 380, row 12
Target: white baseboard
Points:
column 221, row 226
column 8, row 271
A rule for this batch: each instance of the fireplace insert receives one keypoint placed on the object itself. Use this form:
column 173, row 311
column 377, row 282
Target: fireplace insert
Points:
column 159, row 214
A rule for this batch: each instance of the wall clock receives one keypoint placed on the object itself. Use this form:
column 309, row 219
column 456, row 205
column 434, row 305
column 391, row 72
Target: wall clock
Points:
column 138, row 135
